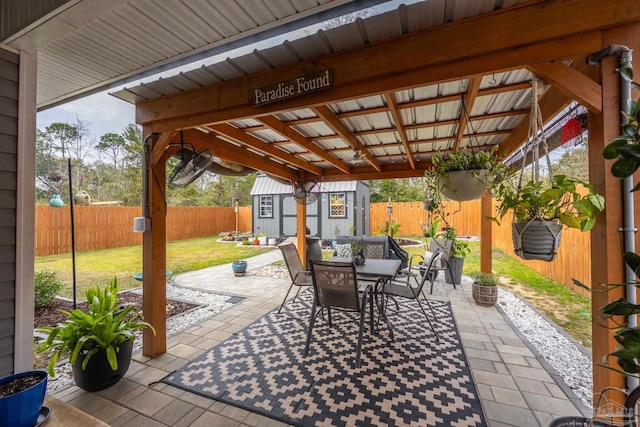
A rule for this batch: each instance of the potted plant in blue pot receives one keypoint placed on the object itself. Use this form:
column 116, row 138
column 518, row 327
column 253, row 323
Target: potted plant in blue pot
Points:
column 21, row 399
column 99, row 342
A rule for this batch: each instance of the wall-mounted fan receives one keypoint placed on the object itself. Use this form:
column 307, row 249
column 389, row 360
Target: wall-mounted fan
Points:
column 358, row 157
column 302, row 192
column 192, row 164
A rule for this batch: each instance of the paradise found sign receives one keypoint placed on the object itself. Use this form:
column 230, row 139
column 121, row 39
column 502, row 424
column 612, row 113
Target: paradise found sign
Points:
column 310, row 82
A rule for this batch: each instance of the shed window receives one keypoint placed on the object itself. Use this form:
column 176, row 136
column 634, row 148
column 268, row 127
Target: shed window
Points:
column 338, row 205
column 266, row 206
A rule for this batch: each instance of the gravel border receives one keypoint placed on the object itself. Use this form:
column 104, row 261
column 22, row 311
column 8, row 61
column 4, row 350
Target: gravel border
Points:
column 564, row 358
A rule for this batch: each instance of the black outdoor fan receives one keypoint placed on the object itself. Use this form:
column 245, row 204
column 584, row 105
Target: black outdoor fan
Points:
column 192, row 164
column 302, row 192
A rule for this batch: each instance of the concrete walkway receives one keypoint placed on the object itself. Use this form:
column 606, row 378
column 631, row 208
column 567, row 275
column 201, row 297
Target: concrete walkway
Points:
column 515, row 387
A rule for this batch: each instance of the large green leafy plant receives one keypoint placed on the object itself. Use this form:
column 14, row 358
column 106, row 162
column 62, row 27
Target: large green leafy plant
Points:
column 562, row 201
column 103, row 327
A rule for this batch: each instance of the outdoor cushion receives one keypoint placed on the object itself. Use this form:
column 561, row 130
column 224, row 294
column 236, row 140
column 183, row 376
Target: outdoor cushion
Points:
column 343, row 250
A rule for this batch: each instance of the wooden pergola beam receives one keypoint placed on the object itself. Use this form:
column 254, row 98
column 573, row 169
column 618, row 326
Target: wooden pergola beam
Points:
column 410, row 60
column 571, row 82
column 240, row 155
column 395, row 113
column 290, row 133
column 465, row 111
column 160, row 146
column 343, row 132
column 267, row 148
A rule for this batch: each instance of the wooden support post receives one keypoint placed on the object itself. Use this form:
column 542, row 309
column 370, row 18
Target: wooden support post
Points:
column 154, row 280
column 607, row 265
column 486, row 239
column 302, row 233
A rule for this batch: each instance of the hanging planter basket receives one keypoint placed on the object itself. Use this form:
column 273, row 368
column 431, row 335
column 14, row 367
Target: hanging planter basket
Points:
column 464, row 185
column 536, row 239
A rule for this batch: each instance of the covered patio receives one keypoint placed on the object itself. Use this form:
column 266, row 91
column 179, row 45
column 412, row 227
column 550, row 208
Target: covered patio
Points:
column 514, row 383
column 388, row 91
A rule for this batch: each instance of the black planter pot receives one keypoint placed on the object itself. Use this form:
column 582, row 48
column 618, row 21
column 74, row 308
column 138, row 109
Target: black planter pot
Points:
column 455, row 275
column 536, row 239
column 98, row 374
column 22, row 409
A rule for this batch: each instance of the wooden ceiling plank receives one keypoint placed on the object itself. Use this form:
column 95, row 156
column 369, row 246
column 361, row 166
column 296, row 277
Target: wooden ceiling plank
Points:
column 343, row 132
column 511, row 29
column 160, row 145
column 395, row 113
column 227, row 151
column 571, row 82
column 241, row 136
column 465, row 109
column 551, row 104
column 288, row 132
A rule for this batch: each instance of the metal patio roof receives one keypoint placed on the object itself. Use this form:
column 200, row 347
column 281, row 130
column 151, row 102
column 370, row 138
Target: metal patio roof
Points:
column 85, row 46
column 426, row 119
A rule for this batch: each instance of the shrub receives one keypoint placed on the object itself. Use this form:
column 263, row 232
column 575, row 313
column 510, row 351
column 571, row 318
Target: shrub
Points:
column 246, row 243
column 484, row 279
column 47, row 287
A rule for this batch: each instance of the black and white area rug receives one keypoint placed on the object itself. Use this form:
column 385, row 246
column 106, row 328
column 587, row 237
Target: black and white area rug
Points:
column 410, row 381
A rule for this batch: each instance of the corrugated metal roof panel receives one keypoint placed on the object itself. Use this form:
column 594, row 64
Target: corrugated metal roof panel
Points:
column 264, row 185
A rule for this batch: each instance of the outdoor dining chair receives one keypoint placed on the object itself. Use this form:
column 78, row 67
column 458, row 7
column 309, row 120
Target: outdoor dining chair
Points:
column 395, row 289
column 299, row 276
column 418, row 264
column 335, row 286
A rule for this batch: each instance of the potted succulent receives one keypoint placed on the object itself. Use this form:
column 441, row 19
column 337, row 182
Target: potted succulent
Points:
column 540, row 211
column 459, row 250
column 484, row 288
column 99, row 341
column 463, row 175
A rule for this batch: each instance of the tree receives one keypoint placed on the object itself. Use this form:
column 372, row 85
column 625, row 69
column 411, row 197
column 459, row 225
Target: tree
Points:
column 113, row 145
column 573, row 162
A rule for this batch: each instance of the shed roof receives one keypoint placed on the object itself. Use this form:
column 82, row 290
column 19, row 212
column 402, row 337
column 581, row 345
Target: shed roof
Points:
column 265, row 185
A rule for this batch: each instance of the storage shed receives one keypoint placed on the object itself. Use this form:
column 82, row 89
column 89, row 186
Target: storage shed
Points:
column 338, row 206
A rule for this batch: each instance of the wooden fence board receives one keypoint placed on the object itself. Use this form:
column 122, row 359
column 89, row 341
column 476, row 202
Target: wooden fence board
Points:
column 102, row 227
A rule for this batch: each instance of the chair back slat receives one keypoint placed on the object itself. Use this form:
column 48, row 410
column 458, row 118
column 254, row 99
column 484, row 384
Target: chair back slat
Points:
column 432, row 267
column 373, row 250
column 441, row 245
column 292, row 259
column 335, row 284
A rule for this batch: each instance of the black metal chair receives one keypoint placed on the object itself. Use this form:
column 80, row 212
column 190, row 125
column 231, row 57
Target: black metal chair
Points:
column 299, row 276
column 419, row 268
column 336, row 286
column 395, row 288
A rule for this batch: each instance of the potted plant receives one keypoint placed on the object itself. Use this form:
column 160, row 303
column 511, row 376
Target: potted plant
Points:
column 463, row 174
column 484, row 288
column 98, row 341
column 239, row 267
column 21, row 399
column 540, row 211
column 459, row 250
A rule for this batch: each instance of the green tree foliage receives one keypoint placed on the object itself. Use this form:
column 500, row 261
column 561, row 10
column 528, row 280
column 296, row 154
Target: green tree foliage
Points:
column 573, row 162
column 400, row 190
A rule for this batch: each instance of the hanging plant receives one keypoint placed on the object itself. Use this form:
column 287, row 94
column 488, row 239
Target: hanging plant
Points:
column 541, row 209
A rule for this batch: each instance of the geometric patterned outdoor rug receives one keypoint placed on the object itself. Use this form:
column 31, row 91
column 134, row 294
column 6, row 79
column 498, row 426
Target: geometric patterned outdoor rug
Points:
column 410, row 381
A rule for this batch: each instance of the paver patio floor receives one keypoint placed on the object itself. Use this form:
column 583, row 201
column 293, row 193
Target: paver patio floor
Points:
column 514, row 386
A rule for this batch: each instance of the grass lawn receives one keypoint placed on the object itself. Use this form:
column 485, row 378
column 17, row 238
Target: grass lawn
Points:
column 563, row 306
column 99, row 267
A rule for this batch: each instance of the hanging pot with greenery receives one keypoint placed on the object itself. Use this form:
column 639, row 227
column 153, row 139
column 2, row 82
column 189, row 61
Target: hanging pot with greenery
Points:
column 465, row 173
column 540, row 209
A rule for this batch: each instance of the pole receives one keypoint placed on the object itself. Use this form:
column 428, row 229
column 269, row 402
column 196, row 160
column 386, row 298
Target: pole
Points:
column 237, row 222
column 73, row 234
column 389, row 212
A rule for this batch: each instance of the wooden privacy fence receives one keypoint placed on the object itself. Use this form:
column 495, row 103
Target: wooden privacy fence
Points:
column 103, row 227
